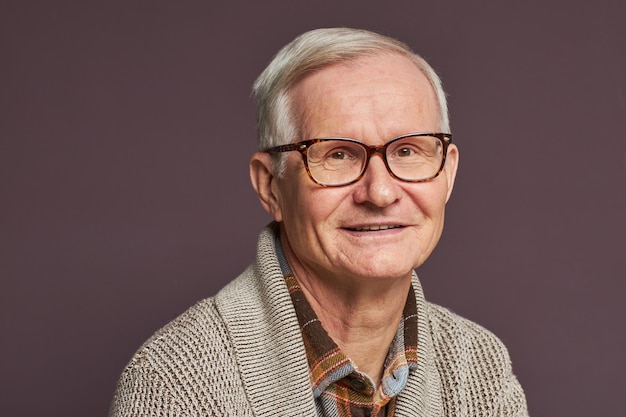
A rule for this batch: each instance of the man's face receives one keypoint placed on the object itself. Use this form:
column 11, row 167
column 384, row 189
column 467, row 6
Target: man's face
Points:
column 378, row 227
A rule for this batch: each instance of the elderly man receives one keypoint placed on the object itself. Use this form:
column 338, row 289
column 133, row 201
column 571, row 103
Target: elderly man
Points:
column 356, row 166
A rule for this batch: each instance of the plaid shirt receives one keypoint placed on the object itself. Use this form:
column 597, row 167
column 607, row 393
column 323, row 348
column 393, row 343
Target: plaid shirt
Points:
column 339, row 389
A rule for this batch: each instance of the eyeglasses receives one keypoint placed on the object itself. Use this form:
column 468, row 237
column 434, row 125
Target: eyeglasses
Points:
column 334, row 162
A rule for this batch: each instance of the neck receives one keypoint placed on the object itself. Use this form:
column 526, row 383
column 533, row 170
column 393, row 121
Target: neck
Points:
column 361, row 316
column 362, row 327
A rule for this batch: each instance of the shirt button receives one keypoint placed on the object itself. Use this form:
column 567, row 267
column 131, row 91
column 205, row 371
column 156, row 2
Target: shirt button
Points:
column 357, row 384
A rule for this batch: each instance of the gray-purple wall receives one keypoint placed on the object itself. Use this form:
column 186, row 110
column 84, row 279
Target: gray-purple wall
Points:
column 125, row 133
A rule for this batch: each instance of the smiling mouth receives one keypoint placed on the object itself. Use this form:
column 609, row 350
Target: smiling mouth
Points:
column 373, row 228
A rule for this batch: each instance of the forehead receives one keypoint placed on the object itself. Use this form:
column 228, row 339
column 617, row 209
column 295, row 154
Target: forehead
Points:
column 386, row 91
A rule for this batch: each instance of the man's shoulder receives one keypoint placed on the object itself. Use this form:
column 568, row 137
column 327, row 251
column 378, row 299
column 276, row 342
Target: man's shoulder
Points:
column 198, row 328
column 459, row 339
column 201, row 326
column 449, row 327
column 201, row 331
column 474, row 366
column 189, row 362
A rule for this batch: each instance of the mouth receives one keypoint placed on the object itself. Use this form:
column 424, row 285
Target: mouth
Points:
column 374, row 228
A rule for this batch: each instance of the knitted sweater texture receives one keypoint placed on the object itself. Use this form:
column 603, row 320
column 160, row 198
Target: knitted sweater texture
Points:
column 240, row 353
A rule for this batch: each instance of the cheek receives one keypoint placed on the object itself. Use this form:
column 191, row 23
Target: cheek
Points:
column 313, row 213
column 438, row 203
column 431, row 200
column 298, row 204
column 317, row 207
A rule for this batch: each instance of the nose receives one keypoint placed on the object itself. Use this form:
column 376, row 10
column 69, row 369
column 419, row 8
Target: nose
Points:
column 377, row 186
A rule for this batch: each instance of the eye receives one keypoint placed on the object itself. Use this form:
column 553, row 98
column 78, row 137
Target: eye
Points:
column 337, row 152
column 338, row 155
column 405, row 151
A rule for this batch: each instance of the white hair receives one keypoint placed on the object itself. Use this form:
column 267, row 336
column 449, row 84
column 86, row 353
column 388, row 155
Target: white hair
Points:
column 310, row 52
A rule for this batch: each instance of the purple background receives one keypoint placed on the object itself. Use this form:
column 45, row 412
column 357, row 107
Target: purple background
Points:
column 117, row 211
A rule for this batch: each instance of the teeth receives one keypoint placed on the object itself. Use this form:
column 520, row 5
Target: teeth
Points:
column 374, row 228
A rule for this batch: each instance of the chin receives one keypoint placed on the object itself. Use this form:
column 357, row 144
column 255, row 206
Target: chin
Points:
column 384, row 270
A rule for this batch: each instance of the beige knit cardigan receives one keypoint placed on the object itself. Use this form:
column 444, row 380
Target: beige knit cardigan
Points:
column 240, row 353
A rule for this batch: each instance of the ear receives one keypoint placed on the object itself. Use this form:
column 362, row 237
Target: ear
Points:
column 265, row 183
column 452, row 165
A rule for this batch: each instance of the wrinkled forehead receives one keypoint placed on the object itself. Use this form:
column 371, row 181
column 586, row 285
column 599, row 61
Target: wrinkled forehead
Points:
column 384, row 86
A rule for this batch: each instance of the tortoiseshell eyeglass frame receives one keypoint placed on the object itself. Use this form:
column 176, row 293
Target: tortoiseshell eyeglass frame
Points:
column 303, row 147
